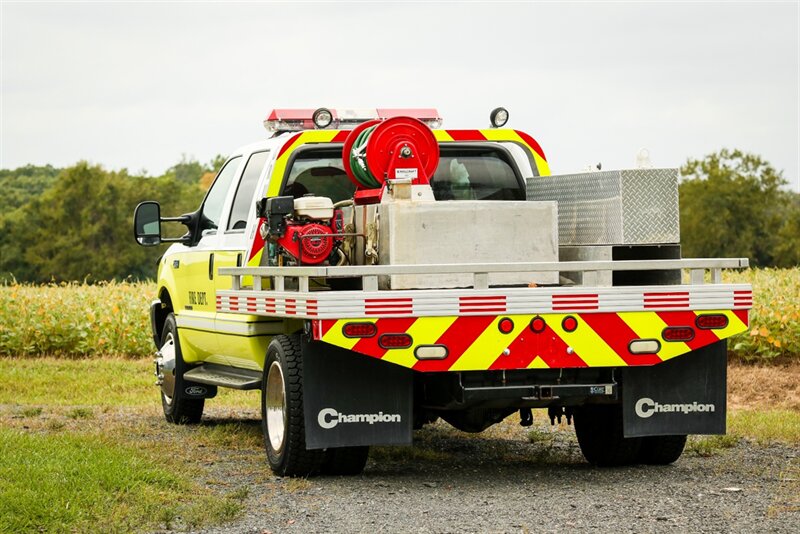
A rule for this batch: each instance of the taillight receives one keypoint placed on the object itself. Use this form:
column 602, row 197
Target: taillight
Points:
column 395, row 341
column 359, row 330
column 711, row 321
column 678, row 333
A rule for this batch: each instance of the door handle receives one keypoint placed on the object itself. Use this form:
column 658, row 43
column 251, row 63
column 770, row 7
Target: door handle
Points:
column 211, row 266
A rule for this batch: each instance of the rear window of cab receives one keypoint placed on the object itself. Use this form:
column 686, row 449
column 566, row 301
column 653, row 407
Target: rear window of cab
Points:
column 465, row 172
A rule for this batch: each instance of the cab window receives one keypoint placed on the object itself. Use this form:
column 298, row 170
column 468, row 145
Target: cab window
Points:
column 244, row 193
column 319, row 172
column 476, row 173
column 215, row 198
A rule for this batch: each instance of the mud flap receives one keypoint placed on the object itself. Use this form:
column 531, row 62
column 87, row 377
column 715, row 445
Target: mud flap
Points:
column 350, row 399
column 685, row 395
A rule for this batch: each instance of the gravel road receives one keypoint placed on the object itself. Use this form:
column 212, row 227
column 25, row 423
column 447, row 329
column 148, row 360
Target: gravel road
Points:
column 506, row 481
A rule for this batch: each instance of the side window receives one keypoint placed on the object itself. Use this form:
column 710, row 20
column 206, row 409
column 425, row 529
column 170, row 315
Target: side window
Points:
column 212, row 206
column 244, row 193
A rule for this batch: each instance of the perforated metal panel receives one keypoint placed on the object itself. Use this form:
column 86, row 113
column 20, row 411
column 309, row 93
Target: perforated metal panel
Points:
column 627, row 207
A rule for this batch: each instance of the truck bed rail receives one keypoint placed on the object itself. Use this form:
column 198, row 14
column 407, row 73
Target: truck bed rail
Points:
column 697, row 268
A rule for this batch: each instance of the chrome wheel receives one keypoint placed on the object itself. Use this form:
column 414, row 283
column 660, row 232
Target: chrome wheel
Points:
column 166, row 368
column 276, row 407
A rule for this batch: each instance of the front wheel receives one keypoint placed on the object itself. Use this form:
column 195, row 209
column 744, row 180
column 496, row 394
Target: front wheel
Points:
column 178, row 409
column 282, row 418
column 599, row 431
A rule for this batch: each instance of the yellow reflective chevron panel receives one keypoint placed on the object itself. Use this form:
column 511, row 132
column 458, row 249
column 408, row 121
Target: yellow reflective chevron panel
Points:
column 553, row 340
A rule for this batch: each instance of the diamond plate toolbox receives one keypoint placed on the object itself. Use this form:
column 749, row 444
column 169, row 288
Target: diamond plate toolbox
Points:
column 626, row 207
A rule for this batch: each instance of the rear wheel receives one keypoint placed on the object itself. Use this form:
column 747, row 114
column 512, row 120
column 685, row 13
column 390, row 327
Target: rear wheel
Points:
column 599, row 431
column 178, row 409
column 661, row 450
column 345, row 461
column 282, row 418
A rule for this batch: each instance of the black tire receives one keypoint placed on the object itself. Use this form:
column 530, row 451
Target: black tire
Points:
column 283, row 424
column 661, row 450
column 178, row 409
column 347, row 461
column 599, row 431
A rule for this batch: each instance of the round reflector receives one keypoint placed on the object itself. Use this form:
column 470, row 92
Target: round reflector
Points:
column 569, row 324
column 506, row 325
column 538, row 324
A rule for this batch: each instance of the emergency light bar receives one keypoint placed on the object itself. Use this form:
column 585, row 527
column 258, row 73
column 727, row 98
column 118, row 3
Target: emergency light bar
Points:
column 293, row 120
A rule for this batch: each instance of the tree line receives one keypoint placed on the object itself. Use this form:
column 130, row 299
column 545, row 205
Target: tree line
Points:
column 76, row 223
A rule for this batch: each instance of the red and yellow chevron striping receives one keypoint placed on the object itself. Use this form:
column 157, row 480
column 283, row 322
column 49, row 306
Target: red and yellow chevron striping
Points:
column 553, row 340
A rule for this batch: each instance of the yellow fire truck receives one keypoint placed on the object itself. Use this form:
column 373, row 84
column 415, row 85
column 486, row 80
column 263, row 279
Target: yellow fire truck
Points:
column 370, row 272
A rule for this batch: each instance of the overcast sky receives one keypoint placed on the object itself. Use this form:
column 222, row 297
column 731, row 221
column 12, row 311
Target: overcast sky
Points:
column 137, row 85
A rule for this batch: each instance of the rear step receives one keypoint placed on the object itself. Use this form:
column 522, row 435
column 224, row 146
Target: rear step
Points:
column 224, row 376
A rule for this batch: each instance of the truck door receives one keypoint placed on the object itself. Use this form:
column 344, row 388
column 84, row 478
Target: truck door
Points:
column 243, row 338
column 197, row 268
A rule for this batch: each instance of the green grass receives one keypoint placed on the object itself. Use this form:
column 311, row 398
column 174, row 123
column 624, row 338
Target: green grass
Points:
column 766, row 426
column 77, row 483
column 109, row 382
column 710, row 445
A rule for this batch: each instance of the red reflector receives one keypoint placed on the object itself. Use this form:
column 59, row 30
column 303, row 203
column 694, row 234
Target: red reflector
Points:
column 359, row 330
column 395, row 341
column 538, row 325
column 678, row 333
column 506, row 325
column 569, row 324
column 711, row 321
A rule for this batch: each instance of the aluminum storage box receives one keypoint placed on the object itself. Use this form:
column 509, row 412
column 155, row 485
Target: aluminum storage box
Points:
column 625, row 207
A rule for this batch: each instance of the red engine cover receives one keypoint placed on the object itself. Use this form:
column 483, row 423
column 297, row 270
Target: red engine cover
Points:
column 301, row 244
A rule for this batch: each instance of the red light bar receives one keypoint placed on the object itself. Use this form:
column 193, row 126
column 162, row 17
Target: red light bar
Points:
column 285, row 120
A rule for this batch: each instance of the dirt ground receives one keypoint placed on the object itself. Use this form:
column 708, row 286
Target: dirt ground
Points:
column 756, row 387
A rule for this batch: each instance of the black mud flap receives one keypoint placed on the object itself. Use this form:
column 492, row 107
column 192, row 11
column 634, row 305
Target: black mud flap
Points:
column 350, row 399
column 685, row 395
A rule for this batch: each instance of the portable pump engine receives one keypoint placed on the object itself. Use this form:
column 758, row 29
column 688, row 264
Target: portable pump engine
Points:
column 305, row 231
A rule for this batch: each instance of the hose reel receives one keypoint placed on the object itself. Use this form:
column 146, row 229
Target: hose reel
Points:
column 400, row 148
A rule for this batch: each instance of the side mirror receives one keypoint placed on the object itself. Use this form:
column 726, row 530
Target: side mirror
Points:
column 147, row 223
